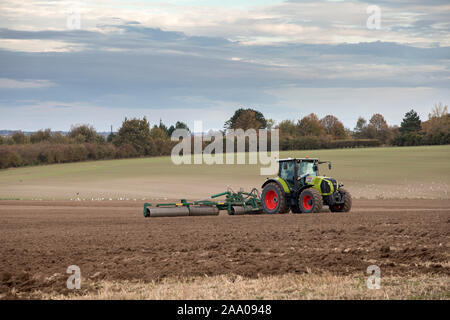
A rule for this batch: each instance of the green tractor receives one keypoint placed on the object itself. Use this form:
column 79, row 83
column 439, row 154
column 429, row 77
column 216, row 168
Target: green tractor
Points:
column 299, row 188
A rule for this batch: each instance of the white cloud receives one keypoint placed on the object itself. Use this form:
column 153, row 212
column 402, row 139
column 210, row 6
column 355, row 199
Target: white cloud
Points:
column 6, row 83
column 306, row 21
column 38, row 45
column 183, row 78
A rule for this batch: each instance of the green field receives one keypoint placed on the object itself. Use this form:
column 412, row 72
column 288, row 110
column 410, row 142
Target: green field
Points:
column 408, row 172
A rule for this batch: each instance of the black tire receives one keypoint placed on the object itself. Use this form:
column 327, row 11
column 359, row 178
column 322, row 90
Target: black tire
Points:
column 276, row 199
column 347, row 206
column 310, row 201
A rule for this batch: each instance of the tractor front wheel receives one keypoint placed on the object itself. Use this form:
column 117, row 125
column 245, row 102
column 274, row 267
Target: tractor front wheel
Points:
column 310, row 200
column 346, row 206
column 273, row 199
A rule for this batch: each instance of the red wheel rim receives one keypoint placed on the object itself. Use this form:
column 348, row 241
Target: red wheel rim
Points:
column 271, row 199
column 307, row 202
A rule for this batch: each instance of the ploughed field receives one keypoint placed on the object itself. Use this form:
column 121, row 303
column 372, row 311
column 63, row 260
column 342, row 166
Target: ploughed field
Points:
column 112, row 241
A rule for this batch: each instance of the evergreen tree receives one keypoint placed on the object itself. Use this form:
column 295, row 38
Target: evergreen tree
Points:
column 411, row 122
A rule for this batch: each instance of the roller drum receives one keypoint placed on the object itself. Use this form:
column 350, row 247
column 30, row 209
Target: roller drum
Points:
column 203, row 211
column 237, row 210
column 167, row 212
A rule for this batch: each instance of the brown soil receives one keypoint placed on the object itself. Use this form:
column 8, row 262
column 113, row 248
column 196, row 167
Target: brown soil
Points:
column 111, row 240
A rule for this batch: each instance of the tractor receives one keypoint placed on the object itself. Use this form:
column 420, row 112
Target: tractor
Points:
column 300, row 189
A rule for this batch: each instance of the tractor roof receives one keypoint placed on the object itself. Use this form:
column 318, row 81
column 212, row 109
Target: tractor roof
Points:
column 292, row 159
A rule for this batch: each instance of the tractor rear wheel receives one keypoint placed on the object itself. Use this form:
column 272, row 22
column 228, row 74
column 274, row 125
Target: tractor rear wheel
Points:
column 273, row 199
column 346, row 206
column 310, row 200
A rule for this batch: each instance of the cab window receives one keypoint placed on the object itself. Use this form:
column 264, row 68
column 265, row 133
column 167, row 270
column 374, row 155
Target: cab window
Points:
column 287, row 172
column 306, row 167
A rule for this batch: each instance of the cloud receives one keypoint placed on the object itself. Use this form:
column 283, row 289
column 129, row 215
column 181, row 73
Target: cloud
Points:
column 202, row 60
column 38, row 45
column 249, row 22
column 6, row 83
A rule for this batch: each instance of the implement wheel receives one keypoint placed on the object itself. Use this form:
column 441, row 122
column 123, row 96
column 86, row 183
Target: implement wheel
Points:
column 273, row 199
column 346, row 206
column 310, row 200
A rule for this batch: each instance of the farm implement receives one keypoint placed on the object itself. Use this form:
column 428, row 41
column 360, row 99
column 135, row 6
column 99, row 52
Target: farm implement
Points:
column 235, row 203
column 298, row 188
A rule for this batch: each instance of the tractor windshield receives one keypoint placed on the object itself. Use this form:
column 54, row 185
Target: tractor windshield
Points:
column 306, row 167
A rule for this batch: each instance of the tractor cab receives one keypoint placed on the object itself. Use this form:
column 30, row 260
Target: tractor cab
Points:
column 293, row 171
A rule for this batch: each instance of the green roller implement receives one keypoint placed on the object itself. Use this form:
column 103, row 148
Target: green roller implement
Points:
column 235, row 203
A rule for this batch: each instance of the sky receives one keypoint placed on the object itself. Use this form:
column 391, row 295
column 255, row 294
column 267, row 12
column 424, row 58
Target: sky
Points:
column 74, row 62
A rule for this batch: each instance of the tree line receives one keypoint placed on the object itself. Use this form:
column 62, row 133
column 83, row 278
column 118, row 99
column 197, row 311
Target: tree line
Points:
column 136, row 138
